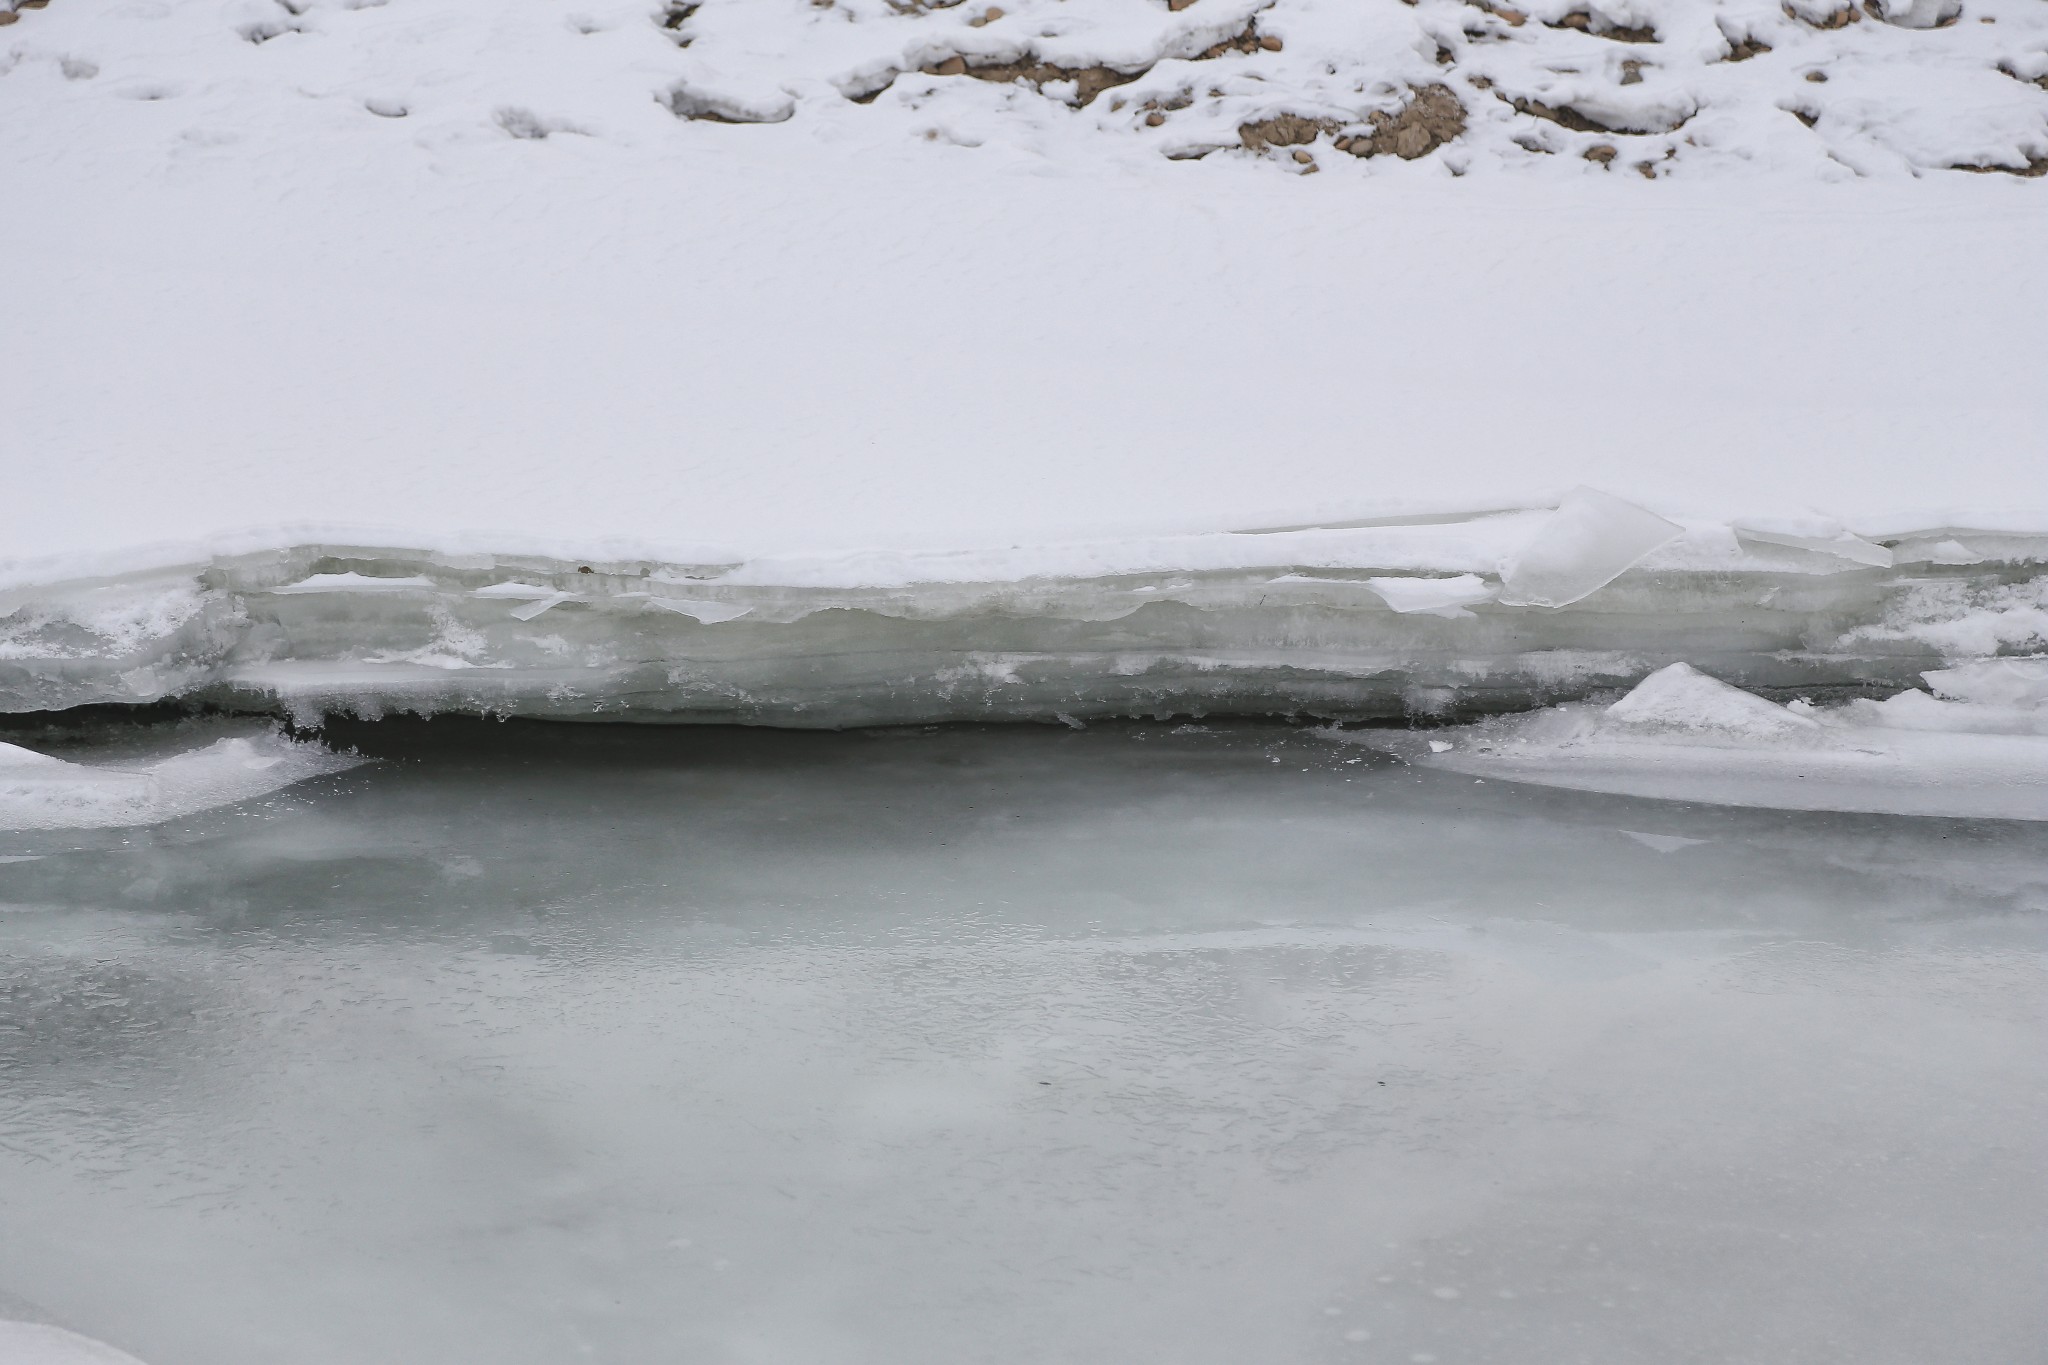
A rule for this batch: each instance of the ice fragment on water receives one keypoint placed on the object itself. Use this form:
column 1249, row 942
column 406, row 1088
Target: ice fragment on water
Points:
column 40, row 792
column 1589, row 542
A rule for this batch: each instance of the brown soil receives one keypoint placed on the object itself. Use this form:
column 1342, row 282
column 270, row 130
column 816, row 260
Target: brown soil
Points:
column 1284, row 130
column 1834, row 19
column 1514, row 18
column 1089, row 81
column 1742, row 49
column 1564, row 116
column 1600, row 28
column 2035, row 168
column 1432, row 117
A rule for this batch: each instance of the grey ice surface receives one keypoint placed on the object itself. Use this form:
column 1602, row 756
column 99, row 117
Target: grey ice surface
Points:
column 1136, row 1044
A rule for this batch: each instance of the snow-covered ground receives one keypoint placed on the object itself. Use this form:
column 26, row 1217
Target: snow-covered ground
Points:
column 246, row 309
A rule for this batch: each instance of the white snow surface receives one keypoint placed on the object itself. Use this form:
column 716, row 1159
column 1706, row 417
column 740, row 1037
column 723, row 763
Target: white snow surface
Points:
column 1681, row 735
column 460, row 277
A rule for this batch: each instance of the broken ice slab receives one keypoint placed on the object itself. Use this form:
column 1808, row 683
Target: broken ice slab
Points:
column 1591, row 540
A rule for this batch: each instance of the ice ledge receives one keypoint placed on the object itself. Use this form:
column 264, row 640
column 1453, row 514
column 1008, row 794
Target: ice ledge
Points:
column 1447, row 617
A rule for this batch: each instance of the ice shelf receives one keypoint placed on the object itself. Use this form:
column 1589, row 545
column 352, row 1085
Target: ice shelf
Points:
column 1348, row 622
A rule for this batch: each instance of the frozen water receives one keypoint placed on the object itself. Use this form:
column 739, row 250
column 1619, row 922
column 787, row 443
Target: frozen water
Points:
column 1133, row 1043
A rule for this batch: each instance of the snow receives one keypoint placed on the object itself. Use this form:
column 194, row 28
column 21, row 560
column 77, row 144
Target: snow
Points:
column 1680, row 700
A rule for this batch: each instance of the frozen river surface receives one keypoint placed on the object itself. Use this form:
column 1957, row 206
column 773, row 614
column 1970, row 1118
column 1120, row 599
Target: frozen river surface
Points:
column 1218, row 1046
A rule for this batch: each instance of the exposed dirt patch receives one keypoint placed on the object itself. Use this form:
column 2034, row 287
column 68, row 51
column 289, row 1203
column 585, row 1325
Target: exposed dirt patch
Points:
column 1248, row 40
column 1833, row 19
column 1089, row 81
column 1743, row 48
column 1507, row 14
column 1600, row 28
column 1564, row 116
column 1432, row 117
column 2004, row 69
column 2035, row 168
column 1283, row 130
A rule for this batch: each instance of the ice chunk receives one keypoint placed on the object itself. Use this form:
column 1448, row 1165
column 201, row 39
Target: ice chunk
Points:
column 1680, row 699
column 38, row 1343
column 1434, row 596
column 41, row 792
column 1843, row 545
column 1592, row 539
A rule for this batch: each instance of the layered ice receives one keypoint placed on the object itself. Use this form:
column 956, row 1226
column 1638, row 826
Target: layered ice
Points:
column 1978, row 749
column 1434, row 618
